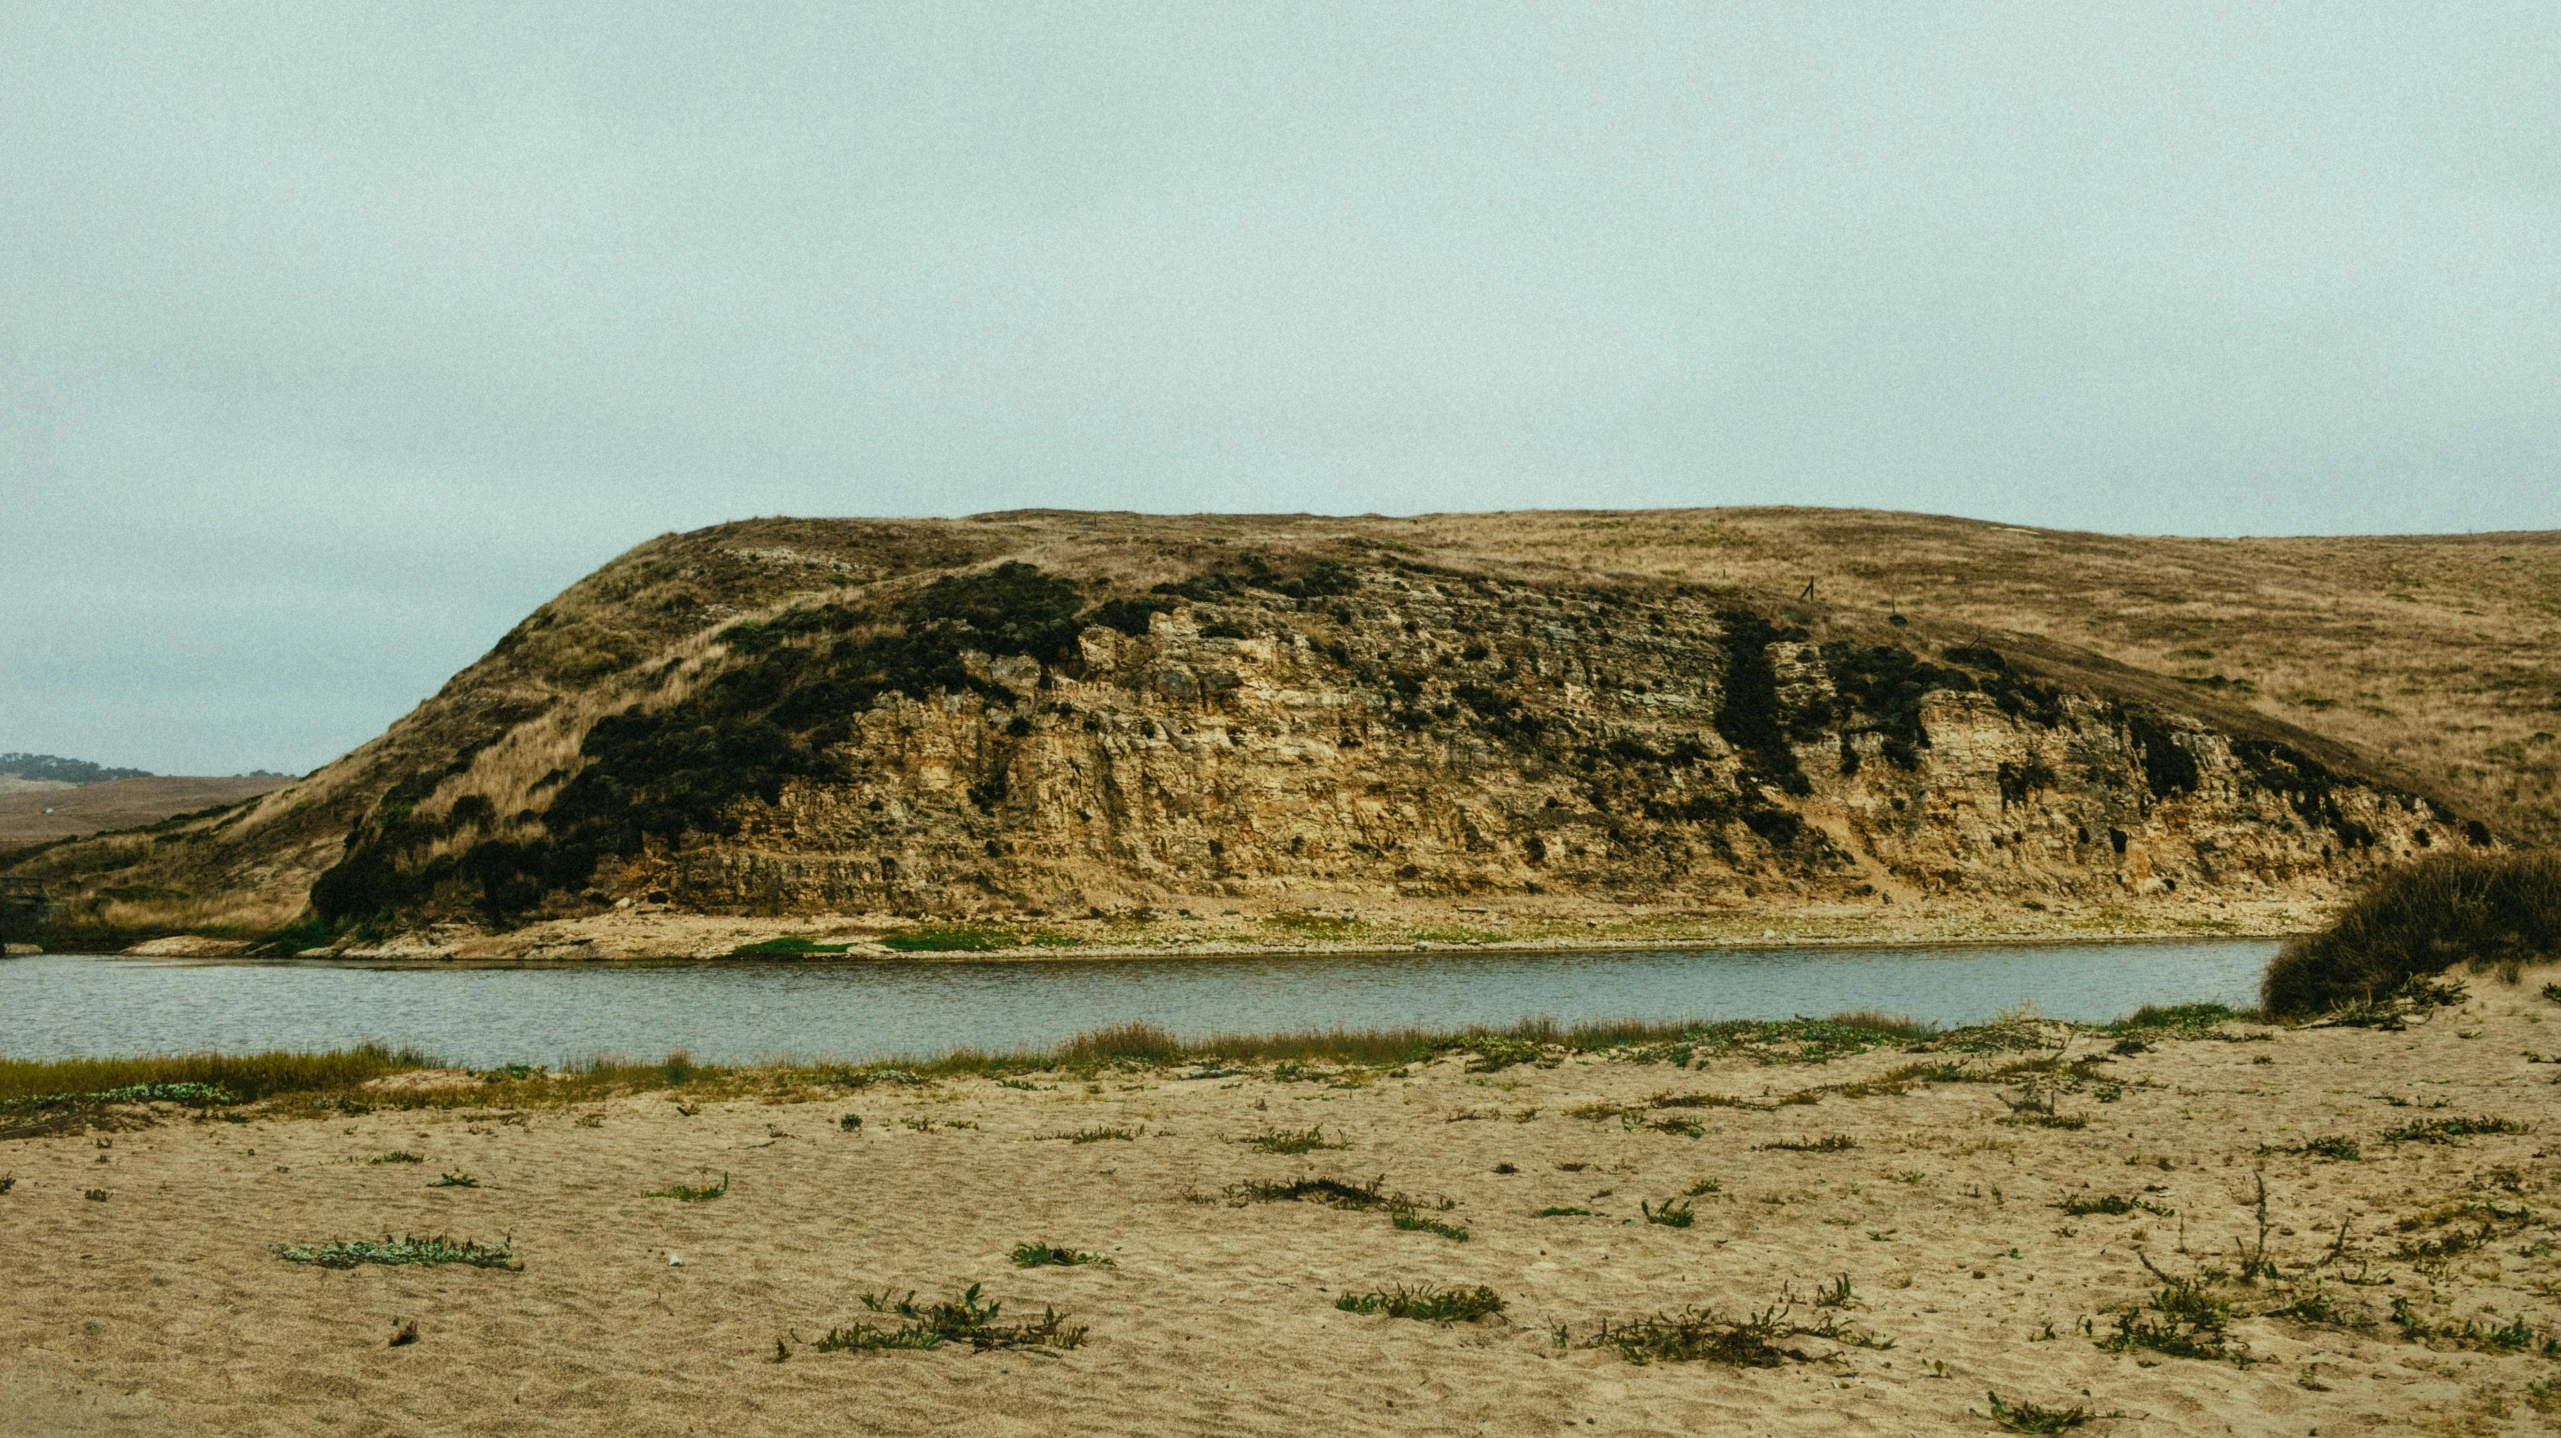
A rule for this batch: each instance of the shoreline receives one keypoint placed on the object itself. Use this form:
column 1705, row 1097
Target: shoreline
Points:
column 876, row 956
column 858, row 950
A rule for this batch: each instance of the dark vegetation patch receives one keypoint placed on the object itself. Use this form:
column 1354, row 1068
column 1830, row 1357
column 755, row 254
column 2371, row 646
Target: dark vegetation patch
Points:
column 1046, row 1255
column 2448, row 1130
column 1341, row 1193
column 767, row 717
column 1295, row 1140
column 1444, row 1306
column 2031, row 1418
column 1409, row 1216
column 2491, row 911
column 64, row 771
column 2337, row 1147
column 1702, row 1335
column 786, row 947
column 2168, row 768
column 2011, row 692
column 2307, row 785
column 2079, row 1204
column 400, row 1251
column 2514, row 1336
column 1750, row 713
column 2182, row 1320
column 692, row 1192
column 1675, row 1213
column 966, row 1319
column 1881, row 687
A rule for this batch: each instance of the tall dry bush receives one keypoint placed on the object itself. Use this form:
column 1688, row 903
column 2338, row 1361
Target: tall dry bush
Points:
column 2492, row 911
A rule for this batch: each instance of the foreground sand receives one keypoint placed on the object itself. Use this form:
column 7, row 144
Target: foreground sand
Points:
column 164, row 1308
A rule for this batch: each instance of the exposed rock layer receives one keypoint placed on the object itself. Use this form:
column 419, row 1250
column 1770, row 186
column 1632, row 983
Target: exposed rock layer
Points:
column 1055, row 715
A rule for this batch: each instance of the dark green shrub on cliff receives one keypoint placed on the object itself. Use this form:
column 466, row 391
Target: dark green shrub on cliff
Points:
column 789, row 690
column 1751, row 714
column 1881, row 687
column 2488, row 910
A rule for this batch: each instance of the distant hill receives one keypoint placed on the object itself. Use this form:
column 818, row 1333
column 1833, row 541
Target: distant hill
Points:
column 1574, row 715
column 37, row 816
column 53, row 768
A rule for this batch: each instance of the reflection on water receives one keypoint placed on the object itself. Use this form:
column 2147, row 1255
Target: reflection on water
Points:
column 63, row 1006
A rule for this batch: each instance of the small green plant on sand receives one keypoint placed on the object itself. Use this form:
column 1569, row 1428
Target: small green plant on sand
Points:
column 2078, row 1205
column 1444, row 1306
column 1297, row 1140
column 1412, row 1219
column 397, row 1155
column 1564, row 1213
column 2447, row 1130
column 1701, row 1335
column 397, row 1251
column 1673, row 1213
column 1834, row 1143
column 1342, row 1193
column 455, row 1180
column 2182, row 1321
column 1036, row 1255
column 966, row 1319
column 2030, row 1418
column 692, row 1193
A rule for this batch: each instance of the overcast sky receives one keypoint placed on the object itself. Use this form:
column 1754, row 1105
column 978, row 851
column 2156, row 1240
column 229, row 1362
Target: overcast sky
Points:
column 334, row 338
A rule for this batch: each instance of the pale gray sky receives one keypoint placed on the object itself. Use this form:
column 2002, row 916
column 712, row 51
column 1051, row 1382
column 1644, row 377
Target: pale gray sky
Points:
column 333, row 338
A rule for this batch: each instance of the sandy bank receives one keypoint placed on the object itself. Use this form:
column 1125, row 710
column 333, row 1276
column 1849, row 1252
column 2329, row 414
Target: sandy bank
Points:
column 164, row 1308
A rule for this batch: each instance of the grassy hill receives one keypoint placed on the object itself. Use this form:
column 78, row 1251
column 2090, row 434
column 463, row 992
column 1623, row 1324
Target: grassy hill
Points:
column 760, row 717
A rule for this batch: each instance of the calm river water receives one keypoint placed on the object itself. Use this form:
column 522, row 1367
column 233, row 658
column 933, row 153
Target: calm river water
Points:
column 66, row 1006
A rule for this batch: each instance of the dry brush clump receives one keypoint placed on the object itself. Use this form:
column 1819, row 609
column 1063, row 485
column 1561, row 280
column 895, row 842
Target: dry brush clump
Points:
column 2498, row 911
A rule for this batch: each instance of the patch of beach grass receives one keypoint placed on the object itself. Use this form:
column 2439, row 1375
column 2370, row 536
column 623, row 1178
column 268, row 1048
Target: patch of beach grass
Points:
column 1299, row 1140
column 1341, row 1193
column 967, row 1319
column 2448, row 1130
column 2030, row 1418
column 2182, row 1320
column 692, row 1193
column 1412, row 1219
column 1430, row 1304
column 2078, row 1205
column 194, row 1079
column 1040, row 1255
column 1702, row 1335
column 396, row 1252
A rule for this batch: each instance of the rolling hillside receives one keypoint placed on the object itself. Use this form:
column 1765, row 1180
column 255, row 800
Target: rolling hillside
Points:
column 1684, row 720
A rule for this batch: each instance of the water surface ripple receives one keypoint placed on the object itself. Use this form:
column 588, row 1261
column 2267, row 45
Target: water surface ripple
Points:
column 67, row 1006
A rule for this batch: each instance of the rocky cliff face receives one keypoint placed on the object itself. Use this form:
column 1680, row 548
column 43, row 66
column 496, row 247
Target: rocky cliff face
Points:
column 1004, row 743
column 936, row 730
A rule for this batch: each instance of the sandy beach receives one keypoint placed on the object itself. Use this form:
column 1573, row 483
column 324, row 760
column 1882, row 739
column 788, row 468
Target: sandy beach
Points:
column 163, row 1306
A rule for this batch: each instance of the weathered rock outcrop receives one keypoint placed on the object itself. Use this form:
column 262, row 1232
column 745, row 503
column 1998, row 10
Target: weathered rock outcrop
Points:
column 956, row 733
